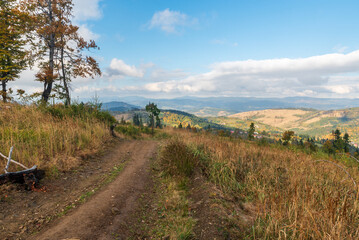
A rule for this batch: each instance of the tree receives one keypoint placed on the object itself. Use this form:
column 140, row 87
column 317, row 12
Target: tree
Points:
column 123, row 122
column 13, row 24
column 251, row 131
column 71, row 46
column 180, row 126
column 287, row 136
column 328, row 147
column 346, row 142
column 136, row 119
column 158, row 122
column 338, row 142
column 59, row 41
column 154, row 113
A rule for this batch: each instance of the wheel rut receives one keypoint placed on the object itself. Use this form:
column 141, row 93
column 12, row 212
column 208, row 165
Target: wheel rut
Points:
column 106, row 214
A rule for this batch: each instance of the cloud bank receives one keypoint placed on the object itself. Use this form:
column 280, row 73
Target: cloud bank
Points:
column 271, row 77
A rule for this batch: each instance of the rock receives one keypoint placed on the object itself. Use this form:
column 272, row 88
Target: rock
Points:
column 115, row 210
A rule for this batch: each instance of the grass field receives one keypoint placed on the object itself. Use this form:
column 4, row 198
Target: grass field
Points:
column 54, row 137
column 285, row 194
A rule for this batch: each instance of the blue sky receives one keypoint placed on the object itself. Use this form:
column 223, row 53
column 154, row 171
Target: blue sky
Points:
column 261, row 48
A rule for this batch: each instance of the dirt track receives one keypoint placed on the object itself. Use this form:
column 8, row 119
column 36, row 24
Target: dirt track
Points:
column 105, row 214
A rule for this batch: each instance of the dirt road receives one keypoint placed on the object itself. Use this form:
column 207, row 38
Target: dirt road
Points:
column 106, row 214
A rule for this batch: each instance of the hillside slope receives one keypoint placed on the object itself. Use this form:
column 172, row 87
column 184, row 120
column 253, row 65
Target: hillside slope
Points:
column 306, row 121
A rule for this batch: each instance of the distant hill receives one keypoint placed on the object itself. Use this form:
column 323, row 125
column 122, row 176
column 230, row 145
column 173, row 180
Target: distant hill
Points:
column 224, row 106
column 303, row 121
column 174, row 118
column 119, row 107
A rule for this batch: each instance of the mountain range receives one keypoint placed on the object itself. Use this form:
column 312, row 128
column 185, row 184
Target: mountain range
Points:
column 225, row 106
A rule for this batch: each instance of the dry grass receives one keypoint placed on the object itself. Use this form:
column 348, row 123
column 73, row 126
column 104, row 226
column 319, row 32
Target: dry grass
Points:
column 294, row 196
column 281, row 118
column 47, row 141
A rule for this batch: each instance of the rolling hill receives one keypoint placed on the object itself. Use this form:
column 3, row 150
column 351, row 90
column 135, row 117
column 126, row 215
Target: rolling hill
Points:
column 303, row 121
column 119, row 106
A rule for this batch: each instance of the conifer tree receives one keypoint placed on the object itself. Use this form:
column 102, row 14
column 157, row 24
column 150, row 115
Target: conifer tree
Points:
column 251, row 131
column 346, row 142
column 154, row 113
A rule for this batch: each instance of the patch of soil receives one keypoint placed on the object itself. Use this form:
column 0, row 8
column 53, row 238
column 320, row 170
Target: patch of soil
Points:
column 23, row 213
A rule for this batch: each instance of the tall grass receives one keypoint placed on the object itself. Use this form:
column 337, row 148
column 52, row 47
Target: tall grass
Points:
column 295, row 196
column 52, row 137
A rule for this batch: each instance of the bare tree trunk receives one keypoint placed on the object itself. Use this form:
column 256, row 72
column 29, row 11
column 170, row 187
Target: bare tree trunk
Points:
column 49, row 82
column 68, row 99
column 153, row 123
column 3, row 92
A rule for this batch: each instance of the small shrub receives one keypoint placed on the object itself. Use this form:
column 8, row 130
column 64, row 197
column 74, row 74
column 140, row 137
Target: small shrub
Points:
column 178, row 159
column 128, row 130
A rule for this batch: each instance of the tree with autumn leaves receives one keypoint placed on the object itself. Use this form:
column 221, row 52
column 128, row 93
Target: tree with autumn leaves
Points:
column 54, row 42
column 13, row 24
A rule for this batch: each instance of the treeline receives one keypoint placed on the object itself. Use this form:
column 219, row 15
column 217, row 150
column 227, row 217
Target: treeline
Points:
column 41, row 33
column 183, row 120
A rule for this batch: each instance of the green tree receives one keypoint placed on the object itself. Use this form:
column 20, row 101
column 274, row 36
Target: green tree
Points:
column 251, row 131
column 154, row 112
column 328, row 147
column 158, row 122
column 136, row 120
column 338, row 142
column 287, row 136
column 346, row 142
column 13, row 24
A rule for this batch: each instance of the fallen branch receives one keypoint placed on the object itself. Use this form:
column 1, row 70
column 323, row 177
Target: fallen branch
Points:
column 13, row 161
column 17, row 176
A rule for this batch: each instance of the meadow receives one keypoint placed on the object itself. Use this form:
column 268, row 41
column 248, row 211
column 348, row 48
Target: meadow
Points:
column 56, row 137
column 274, row 192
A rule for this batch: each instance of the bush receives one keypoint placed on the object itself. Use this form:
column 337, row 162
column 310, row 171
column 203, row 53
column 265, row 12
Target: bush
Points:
column 129, row 130
column 178, row 159
column 80, row 111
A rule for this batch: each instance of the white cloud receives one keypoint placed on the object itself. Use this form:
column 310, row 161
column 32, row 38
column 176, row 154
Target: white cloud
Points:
column 311, row 66
column 87, row 34
column 118, row 68
column 86, row 9
column 340, row 89
column 169, row 21
column 271, row 77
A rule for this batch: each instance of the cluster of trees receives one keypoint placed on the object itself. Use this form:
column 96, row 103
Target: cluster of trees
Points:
column 41, row 33
column 137, row 120
column 338, row 144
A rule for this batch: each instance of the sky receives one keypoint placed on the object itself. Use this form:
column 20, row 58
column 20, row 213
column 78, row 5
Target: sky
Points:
column 208, row 48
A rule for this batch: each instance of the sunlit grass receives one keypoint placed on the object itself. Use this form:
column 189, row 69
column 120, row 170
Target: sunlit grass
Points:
column 293, row 195
column 41, row 137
